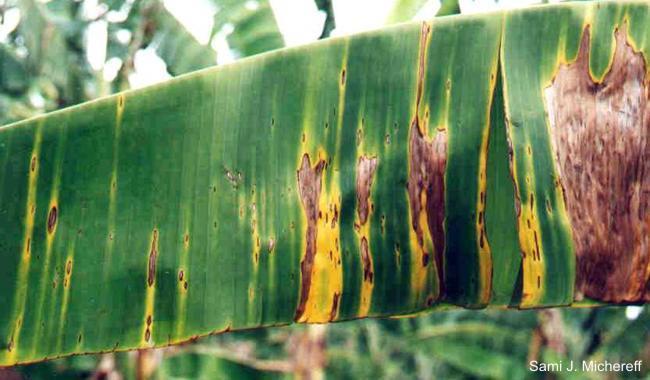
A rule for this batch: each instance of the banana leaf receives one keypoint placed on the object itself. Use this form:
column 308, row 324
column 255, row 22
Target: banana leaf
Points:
column 484, row 160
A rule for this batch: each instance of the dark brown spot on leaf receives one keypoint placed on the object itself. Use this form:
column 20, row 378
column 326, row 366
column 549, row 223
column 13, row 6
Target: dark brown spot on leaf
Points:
column 32, row 165
column 343, row 73
column 335, row 305
column 151, row 272
column 536, row 254
column 601, row 140
column 51, row 219
column 365, row 171
column 532, row 202
column 366, row 261
column 181, row 274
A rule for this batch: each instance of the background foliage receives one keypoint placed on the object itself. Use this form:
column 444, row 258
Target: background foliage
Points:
column 44, row 66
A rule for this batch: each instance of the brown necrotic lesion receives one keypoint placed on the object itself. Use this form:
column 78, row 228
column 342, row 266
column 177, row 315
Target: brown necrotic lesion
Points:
column 309, row 187
column 365, row 171
column 599, row 134
column 426, row 178
column 426, row 188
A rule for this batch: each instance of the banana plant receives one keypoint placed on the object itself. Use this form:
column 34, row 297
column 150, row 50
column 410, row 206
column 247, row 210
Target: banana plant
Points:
column 477, row 160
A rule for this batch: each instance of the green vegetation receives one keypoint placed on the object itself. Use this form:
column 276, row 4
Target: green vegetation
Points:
column 380, row 174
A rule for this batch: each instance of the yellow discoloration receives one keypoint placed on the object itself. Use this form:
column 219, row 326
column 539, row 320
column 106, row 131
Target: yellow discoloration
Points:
column 420, row 66
column 529, row 229
column 529, row 235
column 182, row 283
column 527, row 222
column 531, row 247
column 366, row 286
column 30, row 210
column 112, row 204
column 148, row 319
column 323, row 299
column 485, row 254
column 363, row 226
column 186, row 241
column 51, row 226
column 423, row 278
column 327, row 273
column 67, row 278
column 342, row 88
column 249, row 207
column 79, row 345
column 366, row 168
column 256, row 244
column 255, row 238
column 560, row 60
column 341, row 103
column 120, row 104
column 27, row 246
column 251, row 293
column 49, row 239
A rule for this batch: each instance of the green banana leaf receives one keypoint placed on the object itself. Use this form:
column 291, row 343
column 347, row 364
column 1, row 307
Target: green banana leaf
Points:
column 178, row 48
column 380, row 174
